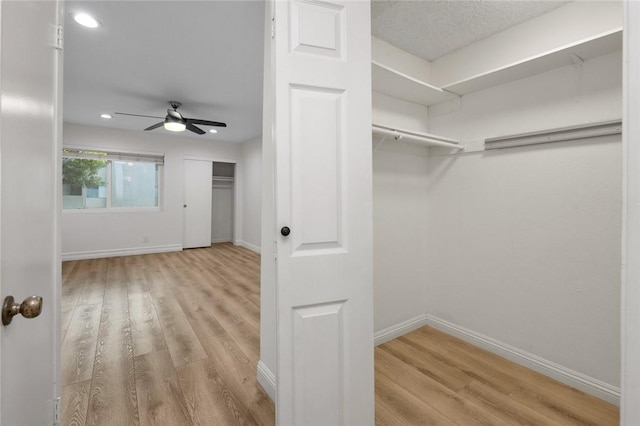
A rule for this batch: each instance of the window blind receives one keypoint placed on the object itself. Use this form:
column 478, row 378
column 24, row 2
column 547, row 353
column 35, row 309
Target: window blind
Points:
column 111, row 155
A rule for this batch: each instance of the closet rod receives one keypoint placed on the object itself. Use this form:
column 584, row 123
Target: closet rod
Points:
column 429, row 140
column 584, row 131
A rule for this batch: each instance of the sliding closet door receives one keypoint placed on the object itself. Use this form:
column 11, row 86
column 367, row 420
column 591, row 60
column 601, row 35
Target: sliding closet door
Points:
column 197, row 203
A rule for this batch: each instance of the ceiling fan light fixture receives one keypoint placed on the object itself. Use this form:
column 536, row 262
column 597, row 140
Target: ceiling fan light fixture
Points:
column 213, row 131
column 174, row 125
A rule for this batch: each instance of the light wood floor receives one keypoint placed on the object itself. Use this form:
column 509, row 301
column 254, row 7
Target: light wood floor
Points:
column 173, row 339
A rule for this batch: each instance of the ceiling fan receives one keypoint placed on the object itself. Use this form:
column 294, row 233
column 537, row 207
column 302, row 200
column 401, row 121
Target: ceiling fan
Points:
column 176, row 122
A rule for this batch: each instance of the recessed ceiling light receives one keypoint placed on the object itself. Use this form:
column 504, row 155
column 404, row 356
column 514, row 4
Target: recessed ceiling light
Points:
column 86, row 20
column 213, row 131
column 107, row 116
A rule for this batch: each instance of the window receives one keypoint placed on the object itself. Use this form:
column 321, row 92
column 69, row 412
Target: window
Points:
column 110, row 180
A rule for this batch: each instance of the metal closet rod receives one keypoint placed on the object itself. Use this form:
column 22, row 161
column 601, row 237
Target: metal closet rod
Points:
column 426, row 139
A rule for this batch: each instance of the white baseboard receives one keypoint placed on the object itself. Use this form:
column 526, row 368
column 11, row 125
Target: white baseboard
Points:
column 95, row 254
column 398, row 330
column 221, row 240
column 247, row 245
column 267, row 380
column 562, row 374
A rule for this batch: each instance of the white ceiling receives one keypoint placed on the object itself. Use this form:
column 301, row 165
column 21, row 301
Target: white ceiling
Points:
column 430, row 29
column 209, row 55
column 205, row 54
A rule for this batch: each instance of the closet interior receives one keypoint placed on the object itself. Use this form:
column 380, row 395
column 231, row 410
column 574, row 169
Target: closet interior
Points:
column 497, row 192
column 222, row 202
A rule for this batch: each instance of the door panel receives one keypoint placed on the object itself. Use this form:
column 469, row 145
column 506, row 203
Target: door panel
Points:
column 197, row 199
column 321, row 67
column 29, row 166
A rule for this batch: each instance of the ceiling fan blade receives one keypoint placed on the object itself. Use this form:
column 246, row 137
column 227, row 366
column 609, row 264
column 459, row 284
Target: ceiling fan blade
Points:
column 194, row 129
column 206, row 122
column 155, row 126
column 137, row 115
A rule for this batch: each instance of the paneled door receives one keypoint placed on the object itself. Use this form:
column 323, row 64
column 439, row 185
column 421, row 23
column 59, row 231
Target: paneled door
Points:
column 30, row 162
column 197, row 203
column 321, row 94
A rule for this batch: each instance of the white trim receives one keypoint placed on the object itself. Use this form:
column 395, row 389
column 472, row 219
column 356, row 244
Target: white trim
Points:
column 565, row 375
column 211, row 159
column 267, row 380
column 400, row 329
column 630, row 315
column 221, row 240
column 247, row 245
column 95, row 254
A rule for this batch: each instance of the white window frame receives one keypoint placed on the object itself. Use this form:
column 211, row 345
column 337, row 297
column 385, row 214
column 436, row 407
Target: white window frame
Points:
column 118, row 155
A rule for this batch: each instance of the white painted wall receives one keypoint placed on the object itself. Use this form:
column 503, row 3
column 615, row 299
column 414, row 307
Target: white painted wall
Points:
column 251, row 159
column 524, row 243
column 400, row 179
column 400, row 183
column 94, row 233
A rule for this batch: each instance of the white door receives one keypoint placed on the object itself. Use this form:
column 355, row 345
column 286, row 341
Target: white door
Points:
column 197, row 203
column 29, row 167
column 322, row 135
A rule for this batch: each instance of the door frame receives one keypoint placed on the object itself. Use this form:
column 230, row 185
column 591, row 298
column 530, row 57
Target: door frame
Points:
column 630, row 268
column 630, row 295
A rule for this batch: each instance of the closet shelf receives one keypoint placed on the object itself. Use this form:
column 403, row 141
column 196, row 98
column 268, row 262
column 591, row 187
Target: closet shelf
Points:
column 394, row 83
column 601, row 44
column 223, row 178
column 390, row 82
column 417, row 137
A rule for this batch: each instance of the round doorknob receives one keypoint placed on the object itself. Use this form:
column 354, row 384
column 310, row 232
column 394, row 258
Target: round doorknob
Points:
column 29, row 308
column 285, row 231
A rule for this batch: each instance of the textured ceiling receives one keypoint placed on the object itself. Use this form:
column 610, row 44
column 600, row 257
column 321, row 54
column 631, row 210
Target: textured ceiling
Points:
column 205, row 54
column 431, row 29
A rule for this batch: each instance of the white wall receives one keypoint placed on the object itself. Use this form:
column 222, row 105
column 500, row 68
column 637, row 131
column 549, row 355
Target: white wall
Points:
column 95, row 233
column 399, row 227
column 400, row 178
column 524, row 243
column 251, row 159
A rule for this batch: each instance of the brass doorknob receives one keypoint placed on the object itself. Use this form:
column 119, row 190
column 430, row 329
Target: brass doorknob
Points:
column 29, row 308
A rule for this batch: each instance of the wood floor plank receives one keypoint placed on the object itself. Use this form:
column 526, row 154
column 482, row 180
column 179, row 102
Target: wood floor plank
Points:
column 202, row 295
column 113, row 390
column 222, row 349
column 179, row 336
column 432, row 393
column 502, row 406
column 113, row 399
column 209, row 400
column 79, row 345
column 159, row 395
column 561, row 412
column 384, row 417
column 146, row 330
column 93, row 291
column 465, row 359
column 405, row 406
column 451, row 377
column 74, row 278
column 75, row 400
